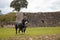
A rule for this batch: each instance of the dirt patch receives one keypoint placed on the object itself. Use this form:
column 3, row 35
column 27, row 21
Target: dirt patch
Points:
column 41, row 37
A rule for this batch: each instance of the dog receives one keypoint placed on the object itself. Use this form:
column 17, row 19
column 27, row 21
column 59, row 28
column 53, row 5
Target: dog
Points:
column 21, row 26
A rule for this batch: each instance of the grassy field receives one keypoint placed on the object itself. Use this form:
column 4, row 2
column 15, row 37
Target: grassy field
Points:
column 8, row 32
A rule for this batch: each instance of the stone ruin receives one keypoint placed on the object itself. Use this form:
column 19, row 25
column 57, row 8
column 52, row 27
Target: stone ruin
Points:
column 41, row 19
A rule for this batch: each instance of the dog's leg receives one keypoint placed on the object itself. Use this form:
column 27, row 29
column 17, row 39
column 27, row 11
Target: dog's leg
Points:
column 16, row 28
column 19, row 30
column 24, row 30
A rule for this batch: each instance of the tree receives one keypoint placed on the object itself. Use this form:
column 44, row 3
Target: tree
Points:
column 18, row 4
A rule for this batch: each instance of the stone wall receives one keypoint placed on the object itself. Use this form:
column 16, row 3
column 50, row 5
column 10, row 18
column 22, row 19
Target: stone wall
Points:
column 43, row 19
column 19, row 17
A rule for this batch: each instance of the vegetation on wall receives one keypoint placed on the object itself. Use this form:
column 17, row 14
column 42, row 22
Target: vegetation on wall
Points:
column 8, row 17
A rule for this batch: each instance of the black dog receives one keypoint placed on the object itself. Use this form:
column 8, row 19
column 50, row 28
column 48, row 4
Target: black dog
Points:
column 21, row 26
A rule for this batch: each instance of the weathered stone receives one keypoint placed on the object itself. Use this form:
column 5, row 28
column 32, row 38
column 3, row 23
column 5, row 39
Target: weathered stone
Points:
column 42, row 19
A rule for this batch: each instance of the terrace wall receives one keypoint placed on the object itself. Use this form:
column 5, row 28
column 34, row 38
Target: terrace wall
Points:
column 43, row 19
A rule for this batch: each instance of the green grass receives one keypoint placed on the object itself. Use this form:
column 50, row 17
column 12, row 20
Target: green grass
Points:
column 7, row 32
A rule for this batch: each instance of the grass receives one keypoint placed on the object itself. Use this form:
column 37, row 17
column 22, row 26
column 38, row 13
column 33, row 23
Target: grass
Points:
column 7, row 32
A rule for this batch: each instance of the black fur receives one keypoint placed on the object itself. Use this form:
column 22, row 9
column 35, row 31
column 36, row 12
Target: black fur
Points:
column 21, row 26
